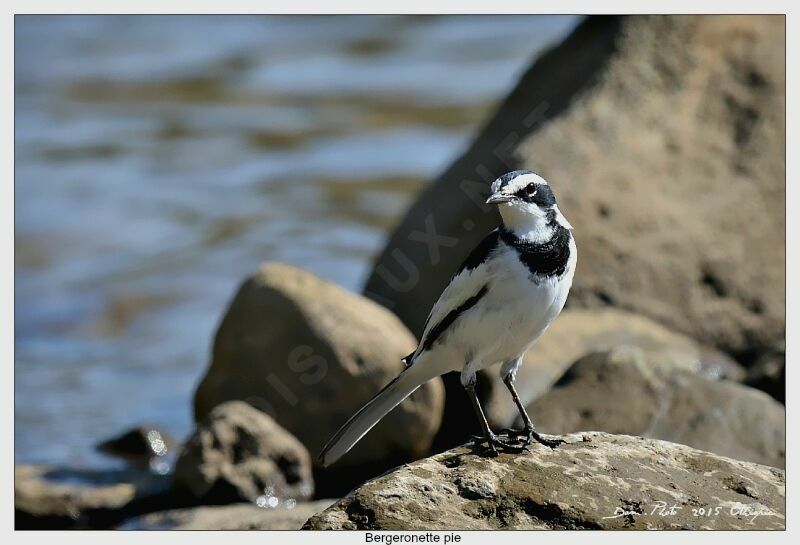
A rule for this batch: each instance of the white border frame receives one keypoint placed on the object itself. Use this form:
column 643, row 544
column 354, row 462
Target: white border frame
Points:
column 360, row 6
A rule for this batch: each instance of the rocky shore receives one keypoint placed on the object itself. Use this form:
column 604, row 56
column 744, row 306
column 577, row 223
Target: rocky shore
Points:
column 666, row 369
column 595, row 481
column 243, row 469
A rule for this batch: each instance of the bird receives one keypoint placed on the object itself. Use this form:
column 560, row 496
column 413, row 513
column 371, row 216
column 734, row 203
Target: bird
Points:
column 500, row 301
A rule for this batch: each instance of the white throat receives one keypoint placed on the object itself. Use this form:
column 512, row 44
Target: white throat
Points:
column 526, row 223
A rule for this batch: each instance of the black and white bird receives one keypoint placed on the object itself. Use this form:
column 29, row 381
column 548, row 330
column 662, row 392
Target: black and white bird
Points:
column 505, row 295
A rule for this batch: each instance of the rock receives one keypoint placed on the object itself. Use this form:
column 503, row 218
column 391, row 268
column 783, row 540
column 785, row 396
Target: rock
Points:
column 634, row 392
column 595, row 481
column 768, row 373
column 578, row 332
column 237, row 453
column 140, row 445
column 41, row 502
column 310, row 354
column 664, row 139
column 240, row 516
column 48, row 498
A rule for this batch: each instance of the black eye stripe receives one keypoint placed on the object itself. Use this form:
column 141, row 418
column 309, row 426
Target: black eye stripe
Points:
column 536, row 194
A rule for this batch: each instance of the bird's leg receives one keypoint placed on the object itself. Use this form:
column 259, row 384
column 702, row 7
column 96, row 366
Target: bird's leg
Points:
column 528, row 431
column 489, row 437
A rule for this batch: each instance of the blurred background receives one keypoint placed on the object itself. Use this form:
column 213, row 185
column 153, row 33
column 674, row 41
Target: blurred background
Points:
column 160, row 159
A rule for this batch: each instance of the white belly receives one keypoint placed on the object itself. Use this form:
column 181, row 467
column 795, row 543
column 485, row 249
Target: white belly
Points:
column 508, row 320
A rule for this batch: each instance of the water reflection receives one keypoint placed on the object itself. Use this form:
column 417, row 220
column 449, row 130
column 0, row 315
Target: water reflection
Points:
column 159, row 159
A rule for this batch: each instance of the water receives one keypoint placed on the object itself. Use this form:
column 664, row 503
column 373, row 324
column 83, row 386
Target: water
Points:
column 160, row 159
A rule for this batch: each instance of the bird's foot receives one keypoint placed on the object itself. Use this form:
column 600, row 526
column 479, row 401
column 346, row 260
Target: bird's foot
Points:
column 529, row 435
column 493, row 442
column 551, row 442
column 511, row 432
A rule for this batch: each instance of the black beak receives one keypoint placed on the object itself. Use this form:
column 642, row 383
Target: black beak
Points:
column 498, row 198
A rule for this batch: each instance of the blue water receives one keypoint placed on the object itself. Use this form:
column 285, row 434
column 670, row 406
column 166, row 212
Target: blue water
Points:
column 161, row 159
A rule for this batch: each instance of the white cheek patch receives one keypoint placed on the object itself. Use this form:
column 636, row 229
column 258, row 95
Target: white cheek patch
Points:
column 530, row 208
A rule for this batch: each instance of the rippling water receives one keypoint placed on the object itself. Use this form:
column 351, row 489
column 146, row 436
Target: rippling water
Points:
column 161, row 159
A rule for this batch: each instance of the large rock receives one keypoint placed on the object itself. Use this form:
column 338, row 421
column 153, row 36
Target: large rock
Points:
column 579, row 332
column 664, row 139
column 238, row 453
column 310, row 354
column 240, row 516
column 596, row 481
column 576, row 333
column 635, row 392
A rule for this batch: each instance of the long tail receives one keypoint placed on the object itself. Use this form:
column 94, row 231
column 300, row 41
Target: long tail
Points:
column 402, row 386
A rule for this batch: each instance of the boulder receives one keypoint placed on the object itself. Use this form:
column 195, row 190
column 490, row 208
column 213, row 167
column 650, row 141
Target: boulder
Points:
column 310, row 354
column 664, row 140
column 240, row 516
column 579, row 332
column 635, row 392
column 237, row 453
column 576, row 333
column 594, row 481
column 49, row 498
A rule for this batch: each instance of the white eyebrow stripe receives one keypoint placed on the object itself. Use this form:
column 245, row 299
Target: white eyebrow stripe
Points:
column 521, row 181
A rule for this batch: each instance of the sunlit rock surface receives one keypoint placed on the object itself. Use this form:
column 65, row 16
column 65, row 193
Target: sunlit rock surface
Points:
column 595, row 481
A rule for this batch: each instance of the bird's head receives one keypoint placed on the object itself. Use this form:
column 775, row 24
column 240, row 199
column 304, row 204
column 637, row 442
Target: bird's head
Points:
column 525, row 201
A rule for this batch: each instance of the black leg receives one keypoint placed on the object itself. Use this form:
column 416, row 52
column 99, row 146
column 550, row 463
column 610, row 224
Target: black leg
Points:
column 529, row 431
column 488, row 436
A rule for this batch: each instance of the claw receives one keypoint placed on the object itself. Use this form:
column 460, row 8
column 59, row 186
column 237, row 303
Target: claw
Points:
column 548, row 442
column 552, row 443
column 480, row 440
column 493, row 441
column 513, row 446
column 529, row 435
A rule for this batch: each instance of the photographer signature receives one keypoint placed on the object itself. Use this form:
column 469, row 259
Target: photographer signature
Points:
column 664, row 509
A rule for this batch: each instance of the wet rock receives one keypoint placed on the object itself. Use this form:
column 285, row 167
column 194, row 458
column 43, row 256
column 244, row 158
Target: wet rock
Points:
column 631, row 391
column 48, row 498
column 595, row 481
column 237, row 453
column 142, row 445
column 240, row 516
column 679, row 217
column 310, row 354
